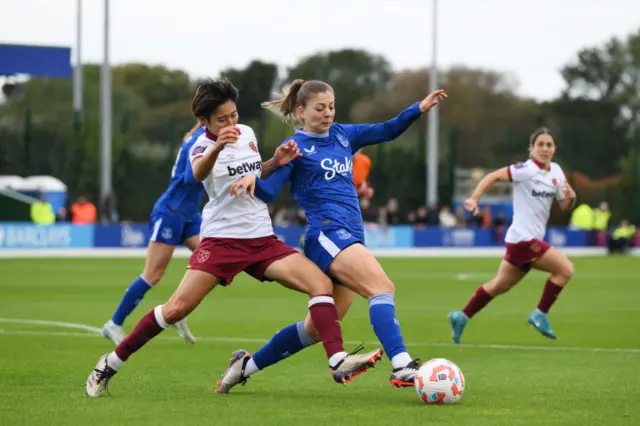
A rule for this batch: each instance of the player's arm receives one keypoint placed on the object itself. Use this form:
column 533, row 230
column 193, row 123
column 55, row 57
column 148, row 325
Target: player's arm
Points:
column 268, row 189
column 362, row 135
column 284, row 154
column 265, row 189
column 471, row 203
column 565, row 196
column 188, row 174
column 204, row 155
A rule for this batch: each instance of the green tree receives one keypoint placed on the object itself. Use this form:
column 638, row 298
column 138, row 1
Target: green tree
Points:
column 355, row 75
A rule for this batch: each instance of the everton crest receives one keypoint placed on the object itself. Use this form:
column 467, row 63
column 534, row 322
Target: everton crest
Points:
column 343, row 141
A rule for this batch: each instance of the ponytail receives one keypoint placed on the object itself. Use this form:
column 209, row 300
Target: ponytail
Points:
column 287, row 102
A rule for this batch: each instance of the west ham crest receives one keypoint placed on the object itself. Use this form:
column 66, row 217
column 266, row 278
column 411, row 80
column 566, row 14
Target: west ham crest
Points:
column 535, row 247
column 203, row 256
column 253, row 146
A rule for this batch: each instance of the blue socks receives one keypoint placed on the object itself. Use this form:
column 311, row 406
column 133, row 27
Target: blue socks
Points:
column 130, row 300
column 286, row 342
column 382, row 313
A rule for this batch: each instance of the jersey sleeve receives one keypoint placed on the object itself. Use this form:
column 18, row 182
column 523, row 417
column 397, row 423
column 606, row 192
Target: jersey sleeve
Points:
column 198, row 149
column 267, row 189
column 520, row 172
column 188, row 173
column 361, row 135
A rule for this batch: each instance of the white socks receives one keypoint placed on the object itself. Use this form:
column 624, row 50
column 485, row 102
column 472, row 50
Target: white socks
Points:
column 336, row 358
column 401, row 360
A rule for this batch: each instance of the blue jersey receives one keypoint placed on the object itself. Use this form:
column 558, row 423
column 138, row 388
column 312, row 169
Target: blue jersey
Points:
column 322, row 179
column 183, row 197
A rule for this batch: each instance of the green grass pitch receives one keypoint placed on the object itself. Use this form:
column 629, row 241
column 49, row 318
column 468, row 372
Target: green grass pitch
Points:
column 589, row 376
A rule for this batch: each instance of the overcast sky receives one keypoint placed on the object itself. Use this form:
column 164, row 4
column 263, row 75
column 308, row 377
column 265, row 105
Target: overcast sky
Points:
column 529, row 39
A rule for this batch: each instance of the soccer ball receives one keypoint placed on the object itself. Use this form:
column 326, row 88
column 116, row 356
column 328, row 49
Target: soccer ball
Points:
column 439, row 381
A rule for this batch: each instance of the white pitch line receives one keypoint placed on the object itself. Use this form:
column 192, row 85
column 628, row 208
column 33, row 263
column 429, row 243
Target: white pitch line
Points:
column 53, row 324
column 96, row 333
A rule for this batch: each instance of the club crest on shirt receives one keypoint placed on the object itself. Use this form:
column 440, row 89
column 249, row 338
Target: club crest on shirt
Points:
column 343, row 234
column 203, row 256
column 554, row 181
column 343, row 141
column 253, row 146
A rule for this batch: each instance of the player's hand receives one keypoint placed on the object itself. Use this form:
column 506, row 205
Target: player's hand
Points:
column 432, row 100
column 244, row 185
column 569, row 193
column 226, row 136
column 286, row 153
column 471, row 205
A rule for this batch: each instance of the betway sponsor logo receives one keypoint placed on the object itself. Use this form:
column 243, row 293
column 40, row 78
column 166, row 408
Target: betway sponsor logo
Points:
column 334, row 166
column 542, row 194
column 244, row 168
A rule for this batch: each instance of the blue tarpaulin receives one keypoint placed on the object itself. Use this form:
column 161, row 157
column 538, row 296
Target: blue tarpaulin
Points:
column 37, row 61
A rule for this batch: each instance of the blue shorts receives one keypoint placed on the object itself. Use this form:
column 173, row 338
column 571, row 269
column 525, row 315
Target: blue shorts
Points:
column 169, row 229
column 322, row 246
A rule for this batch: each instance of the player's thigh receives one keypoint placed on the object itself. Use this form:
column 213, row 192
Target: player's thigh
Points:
column 358, row 270
column 193, row 288
column 555, row 262
column 166, row 234
column 192, row 242
column 298, row 273
column 191, row 232
column 509, row 275
column 158, row 257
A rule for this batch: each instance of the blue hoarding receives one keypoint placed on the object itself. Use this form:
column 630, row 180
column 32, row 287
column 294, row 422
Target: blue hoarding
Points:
column 28, row 236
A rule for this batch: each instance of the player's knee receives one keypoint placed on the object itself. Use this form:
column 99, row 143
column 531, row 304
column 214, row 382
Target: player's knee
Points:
column 153, row 275
column 566, row 272
column 497, row 286
column 175, row 310
column 381, row 285
column 320, row 285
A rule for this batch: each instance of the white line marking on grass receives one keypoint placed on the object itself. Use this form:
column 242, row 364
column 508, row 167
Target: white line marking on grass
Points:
column 95, row 332
column 53, row 324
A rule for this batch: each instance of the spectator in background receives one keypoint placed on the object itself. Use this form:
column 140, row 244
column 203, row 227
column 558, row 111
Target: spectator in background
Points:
column 622, row 237
column 486, row 217
column 433, row 217
column 422, row 219
column 280, row 217
column 42, row 211
column 368, row 215
column 83, row 212
column 411, row 218
column 498, row 226
column 393, row 216
column 301, row 218
column 460, row 216
column 361, row 168
column 383, row 216
column 447, row 218
column 602, row 217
